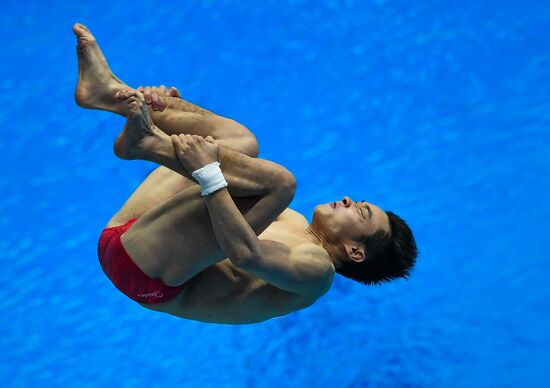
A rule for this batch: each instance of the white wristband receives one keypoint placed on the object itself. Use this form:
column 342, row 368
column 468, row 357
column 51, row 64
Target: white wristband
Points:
column 210, row 178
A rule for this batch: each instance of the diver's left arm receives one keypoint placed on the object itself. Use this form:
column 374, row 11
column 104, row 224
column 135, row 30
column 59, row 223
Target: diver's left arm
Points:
column 302, row 270
column 305, row 270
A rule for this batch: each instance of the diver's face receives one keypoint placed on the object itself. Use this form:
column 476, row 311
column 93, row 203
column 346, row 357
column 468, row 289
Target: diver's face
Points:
column 348, row 220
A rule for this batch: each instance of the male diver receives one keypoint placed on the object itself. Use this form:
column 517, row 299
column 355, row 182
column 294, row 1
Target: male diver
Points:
column 207, row 235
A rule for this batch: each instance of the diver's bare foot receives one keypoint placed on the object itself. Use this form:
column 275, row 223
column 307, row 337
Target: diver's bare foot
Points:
column 139, row 137
column 96, row 82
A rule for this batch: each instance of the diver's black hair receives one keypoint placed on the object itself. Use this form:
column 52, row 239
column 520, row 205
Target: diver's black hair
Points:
column 388, row 256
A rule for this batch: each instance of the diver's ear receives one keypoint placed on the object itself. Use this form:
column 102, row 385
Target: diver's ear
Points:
column 355, row 252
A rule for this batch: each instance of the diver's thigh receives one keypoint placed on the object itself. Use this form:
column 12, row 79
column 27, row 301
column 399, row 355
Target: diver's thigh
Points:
column 174, row 240
column 160, row 185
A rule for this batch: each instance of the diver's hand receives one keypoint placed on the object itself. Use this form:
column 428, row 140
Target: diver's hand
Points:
column 156, row 96
column 195, row 151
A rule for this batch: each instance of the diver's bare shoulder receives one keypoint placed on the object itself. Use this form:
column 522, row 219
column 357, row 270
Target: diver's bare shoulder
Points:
column 293, row 216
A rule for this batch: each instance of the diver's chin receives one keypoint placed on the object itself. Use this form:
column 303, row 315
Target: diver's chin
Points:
column 319, row 209
column 321, row 213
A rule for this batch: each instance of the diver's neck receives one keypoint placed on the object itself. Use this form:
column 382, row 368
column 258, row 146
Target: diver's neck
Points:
column 316, row 237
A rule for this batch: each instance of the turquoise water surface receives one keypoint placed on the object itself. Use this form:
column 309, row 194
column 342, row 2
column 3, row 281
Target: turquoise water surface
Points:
column 437, row 110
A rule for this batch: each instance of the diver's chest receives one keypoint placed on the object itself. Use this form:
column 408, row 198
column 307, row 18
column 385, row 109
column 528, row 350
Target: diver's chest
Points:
column 286, row 230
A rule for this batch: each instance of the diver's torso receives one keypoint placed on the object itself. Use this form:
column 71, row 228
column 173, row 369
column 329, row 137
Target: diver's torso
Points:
column 223, row 293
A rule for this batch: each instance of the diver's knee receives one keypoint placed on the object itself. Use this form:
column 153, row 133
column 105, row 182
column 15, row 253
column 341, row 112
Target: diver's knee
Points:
column 250, row 146
column 244, row 139
column 234, row 135
column 286, row 182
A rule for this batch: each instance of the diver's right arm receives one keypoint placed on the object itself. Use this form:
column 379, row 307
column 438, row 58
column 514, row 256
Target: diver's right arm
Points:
column 156, row 96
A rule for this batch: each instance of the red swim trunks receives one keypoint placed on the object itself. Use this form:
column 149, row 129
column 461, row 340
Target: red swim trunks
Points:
column 125, row 274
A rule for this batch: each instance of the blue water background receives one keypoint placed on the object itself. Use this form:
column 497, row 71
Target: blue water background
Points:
column 437, row 110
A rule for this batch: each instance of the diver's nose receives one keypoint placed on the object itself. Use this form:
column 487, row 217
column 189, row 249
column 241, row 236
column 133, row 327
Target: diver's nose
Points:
column 347, row 201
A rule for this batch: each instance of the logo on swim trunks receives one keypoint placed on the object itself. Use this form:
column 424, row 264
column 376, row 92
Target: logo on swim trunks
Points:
column 156, row 294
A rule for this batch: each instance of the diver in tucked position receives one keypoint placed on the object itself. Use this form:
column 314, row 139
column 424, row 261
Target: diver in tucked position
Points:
column 225, row 250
